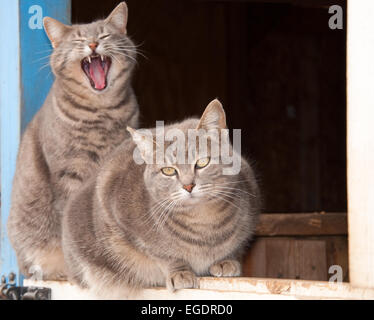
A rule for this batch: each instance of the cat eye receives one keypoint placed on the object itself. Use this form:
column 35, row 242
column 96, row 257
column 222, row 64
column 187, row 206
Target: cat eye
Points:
column 169, row 171
column 104, row 36
column 202, row 163
column 79, row 41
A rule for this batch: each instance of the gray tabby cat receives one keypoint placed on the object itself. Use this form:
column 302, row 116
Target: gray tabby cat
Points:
column 135, row 226
column 83, row 118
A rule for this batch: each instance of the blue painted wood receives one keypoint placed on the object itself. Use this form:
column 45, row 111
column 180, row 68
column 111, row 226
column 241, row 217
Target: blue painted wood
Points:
column 25, row 79
column 10, row 99
column 36, row 74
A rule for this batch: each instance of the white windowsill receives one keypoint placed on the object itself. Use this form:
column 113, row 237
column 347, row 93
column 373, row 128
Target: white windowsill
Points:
column 227, row 289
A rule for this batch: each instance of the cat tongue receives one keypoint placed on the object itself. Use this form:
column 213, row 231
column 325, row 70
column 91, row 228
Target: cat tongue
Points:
column 97, row 73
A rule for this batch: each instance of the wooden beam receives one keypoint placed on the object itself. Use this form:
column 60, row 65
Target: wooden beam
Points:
column 360, row 141
column 302, row 224
column 302, row 258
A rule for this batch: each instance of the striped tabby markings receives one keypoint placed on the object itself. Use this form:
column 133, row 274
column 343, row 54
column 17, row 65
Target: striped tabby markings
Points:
column 68, row 115
column 93, row 156
column 70, row 174
column 121, row 73
column 77, row 105
column 218, row 226
column 122, row 103
column 68, row 79
column 90, row 144
column 223, row 237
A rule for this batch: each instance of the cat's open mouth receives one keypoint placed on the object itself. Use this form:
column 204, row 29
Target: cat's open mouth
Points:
column 96, row 68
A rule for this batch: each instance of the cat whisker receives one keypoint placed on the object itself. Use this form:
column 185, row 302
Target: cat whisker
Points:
column 115, row 58
column 224, row 183
column 151, row 213
column 154, row 208
column 124, row 44
column 118, row 49
column 231, row 182
column 44, row 51
column 42, row 58
column 137, row 52
column 43, row 67
column 160, row 221
column 173, row 207
column 157, row 219
column 230, row 194
column 233, row 189
column 163, row 216
column 126, row 55
column 220, row 197
column 129, row 49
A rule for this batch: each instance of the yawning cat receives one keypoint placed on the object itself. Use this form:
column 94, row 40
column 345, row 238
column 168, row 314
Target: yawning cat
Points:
column 83, row 118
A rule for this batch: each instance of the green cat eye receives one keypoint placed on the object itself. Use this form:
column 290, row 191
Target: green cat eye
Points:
column 169, row 171
column 202, row 163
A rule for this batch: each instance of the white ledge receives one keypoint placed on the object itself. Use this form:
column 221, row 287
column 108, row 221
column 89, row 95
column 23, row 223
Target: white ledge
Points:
column 226, row 289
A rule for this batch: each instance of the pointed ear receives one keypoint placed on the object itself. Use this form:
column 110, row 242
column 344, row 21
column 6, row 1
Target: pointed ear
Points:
column 118, row 17
column 55, row 30
column 144, row 140
column 213, row 117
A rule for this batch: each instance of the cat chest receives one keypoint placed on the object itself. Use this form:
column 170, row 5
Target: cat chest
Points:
column 202, row 253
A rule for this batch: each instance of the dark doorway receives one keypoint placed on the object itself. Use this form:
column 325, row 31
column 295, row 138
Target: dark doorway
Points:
column 279, row 71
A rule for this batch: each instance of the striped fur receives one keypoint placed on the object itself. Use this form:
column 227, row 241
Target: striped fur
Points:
column 68, row 138
column 116, row 245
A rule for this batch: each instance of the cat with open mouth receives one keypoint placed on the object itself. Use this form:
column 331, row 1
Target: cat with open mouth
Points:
column 83, row 118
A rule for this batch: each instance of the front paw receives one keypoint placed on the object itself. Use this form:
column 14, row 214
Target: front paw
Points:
column 182, row 280
column 226, row 268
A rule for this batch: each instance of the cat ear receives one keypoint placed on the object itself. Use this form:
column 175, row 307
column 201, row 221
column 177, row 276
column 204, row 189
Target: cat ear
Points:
column 55, row 30
column 118, row 17
column 213, row 117
column 144, row 140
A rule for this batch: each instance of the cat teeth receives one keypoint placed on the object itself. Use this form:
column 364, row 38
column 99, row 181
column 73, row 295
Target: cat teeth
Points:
column 89, row 58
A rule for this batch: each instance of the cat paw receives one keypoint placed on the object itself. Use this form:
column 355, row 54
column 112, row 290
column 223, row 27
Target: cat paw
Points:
column 182, row 280
column 226, row 268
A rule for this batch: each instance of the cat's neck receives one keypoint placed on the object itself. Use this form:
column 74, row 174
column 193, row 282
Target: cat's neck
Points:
column 67, row 89
column 204, row 212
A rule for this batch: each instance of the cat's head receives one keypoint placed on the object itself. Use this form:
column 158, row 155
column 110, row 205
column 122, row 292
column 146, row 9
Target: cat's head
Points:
column 201, row 178
column 93, row 54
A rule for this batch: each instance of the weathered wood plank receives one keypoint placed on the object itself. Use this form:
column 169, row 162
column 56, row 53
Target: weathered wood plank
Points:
column 287, row 258
column 307, row 258
column 302, row 224
column 337, row 254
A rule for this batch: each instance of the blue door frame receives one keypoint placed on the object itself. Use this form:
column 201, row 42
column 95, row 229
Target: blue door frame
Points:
column 25, row 79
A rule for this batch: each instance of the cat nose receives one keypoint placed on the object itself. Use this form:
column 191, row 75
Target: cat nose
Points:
column 93, row 45
column 189, row 187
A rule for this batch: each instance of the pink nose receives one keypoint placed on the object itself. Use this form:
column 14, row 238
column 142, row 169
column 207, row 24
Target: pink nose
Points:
column 93, row 45
column 189, row 187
